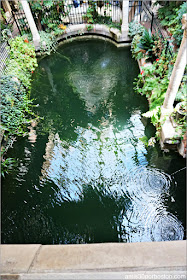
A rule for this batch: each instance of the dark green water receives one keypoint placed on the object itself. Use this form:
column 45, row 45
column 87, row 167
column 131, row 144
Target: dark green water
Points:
column 83, row 175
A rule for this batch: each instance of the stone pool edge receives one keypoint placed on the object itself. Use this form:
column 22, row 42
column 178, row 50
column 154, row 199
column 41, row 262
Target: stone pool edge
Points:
column 99, row 31
column 32, row 259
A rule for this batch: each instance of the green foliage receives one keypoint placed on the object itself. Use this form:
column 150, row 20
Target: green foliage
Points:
column 108, row 21
column 22, row 60
column 23, row 52
column 168, row 3
column 92, row 17
column 92, row 10
column 15, row 84
column 15, row 106
column 136, row 51
column 180, row 123
column 48, row 43
column 178, row 31
column 89, row 27
column 180, row 117
column 49, row 14
column 183, row 107
column 135, row 28
column 153, row 83
column 4, row 27
column 170, row 17
column 154, row 80
column 15, row 69
column 181, row 95
column 2, row 19
column 91, row 13
column 182, row 92
column 167, row 15
column 57, row 31
column 7, row 166
column 3, row 16
column 147, row 43
column 158, row 46
column 148, row 142
column 114, row 24
column 39, row 5
column 144, row 140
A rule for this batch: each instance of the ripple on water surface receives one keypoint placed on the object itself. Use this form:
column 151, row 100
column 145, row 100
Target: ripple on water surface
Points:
column 101, row 163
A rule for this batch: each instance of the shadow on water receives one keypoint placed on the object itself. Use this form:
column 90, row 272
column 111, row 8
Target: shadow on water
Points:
column 83, row 175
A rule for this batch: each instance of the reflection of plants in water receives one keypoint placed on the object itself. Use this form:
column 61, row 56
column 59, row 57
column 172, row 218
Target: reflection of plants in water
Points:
column 95, row 217
column 71, row 87
column 61, row 107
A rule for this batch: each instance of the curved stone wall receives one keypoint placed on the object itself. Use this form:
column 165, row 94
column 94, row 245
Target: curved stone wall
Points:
column 98, row 31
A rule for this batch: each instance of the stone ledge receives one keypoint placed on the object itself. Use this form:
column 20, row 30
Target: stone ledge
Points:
column 168, row 255
column 17, row 258
column 98, row 29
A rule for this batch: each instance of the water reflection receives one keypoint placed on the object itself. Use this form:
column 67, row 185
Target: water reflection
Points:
column 87, row 176
column 102, row 159
column 103, row 151
column 92, row 93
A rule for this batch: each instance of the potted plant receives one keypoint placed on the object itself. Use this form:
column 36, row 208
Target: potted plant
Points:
column 146, row 44
column 181, row 110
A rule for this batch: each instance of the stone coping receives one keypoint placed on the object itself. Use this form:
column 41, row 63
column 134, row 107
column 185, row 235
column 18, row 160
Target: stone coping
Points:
column 101, row 30
column 38, row 259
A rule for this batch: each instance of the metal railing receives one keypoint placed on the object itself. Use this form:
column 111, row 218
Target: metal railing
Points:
column 21, row 25
column 155, row 25
column 4, row 53
column 78, row 12
column 141, row 12
column 15, row 24
column 157, row 28
column 135, row 11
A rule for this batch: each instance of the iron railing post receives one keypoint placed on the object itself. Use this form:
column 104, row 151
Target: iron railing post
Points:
column 140, row 11
column 152, row 21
